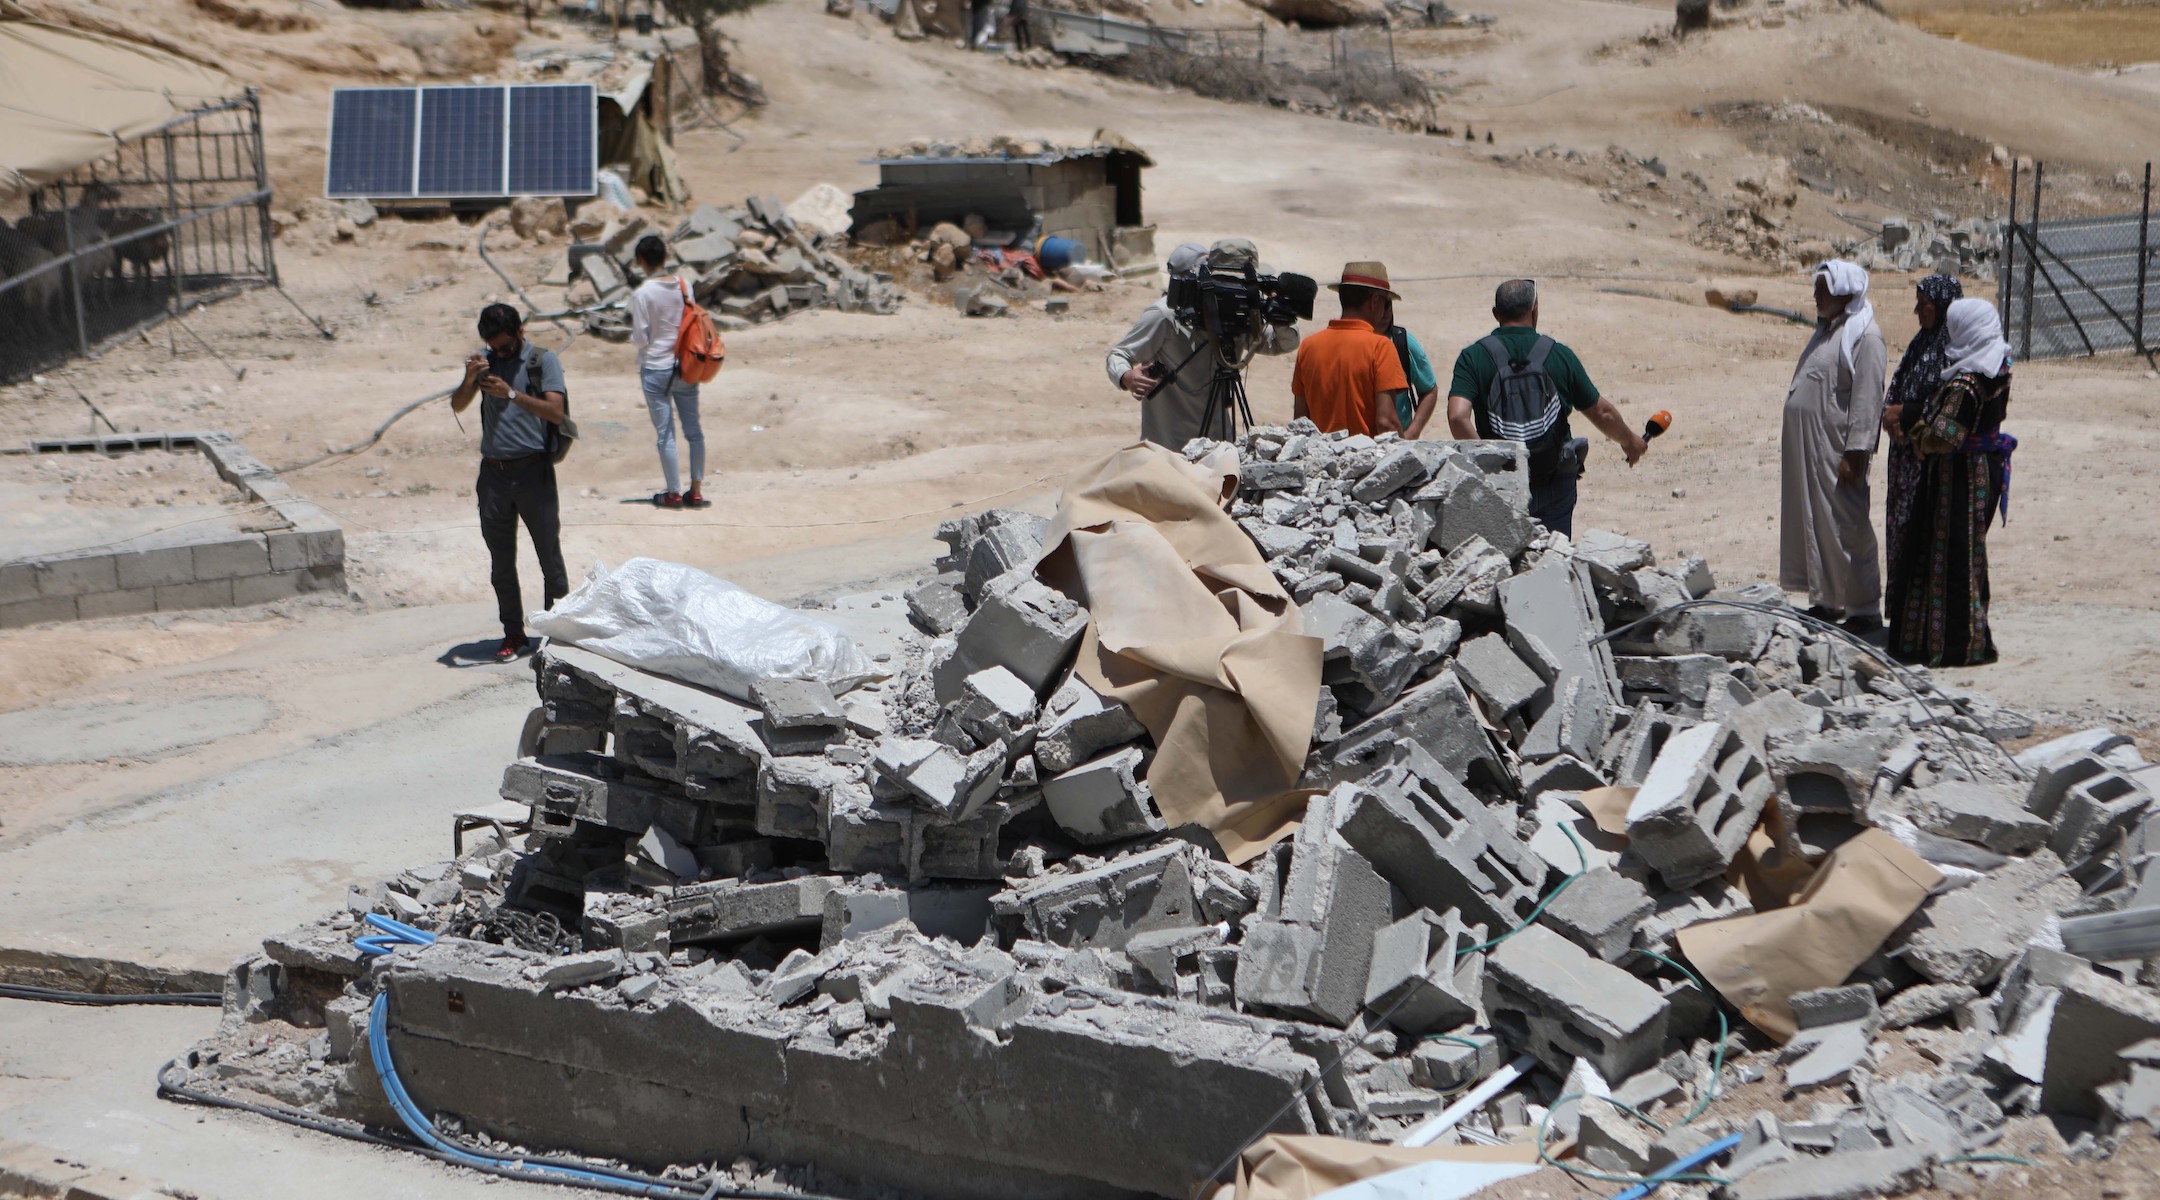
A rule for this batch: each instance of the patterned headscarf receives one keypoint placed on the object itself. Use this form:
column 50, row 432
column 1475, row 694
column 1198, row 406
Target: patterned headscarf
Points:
column 1920, row 371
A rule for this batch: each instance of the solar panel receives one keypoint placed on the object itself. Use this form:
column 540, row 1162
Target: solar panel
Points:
column 552, row 131
column 463, row 142
column 372, row 136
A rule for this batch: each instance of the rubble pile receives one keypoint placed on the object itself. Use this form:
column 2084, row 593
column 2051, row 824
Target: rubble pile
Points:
column 755, row 262
column 1968, row 248
column 933, row 934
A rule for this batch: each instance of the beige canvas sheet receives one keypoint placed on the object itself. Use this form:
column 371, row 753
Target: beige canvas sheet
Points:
column 1192, row 632
column 1302, row 1166
column 69, row 98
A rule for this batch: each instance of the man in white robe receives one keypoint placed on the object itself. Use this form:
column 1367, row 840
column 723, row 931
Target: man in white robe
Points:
column 1833, row 419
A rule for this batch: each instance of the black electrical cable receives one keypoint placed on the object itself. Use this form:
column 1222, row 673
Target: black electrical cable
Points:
column 169, row 1089
column 17, row 991
column 1866, row 647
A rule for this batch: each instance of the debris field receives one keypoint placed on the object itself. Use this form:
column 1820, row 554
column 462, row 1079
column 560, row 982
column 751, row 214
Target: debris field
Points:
column 1647, row 838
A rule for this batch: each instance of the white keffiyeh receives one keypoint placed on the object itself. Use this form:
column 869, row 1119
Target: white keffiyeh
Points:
column 1848, row 279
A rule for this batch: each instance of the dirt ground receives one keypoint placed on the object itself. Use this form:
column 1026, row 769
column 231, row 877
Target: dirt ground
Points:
column 828, row 428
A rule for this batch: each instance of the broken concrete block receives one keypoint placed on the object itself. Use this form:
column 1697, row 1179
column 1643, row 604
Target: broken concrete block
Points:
column 2095, row 1020
column 1925, row 1002
column 995, row 705
column 1443, row 847
column 1419, row 980
column 797, row 704
column 1103, row 907
column 1826, row 1053
column 1854, row 1004
column 1981, row 813
column 1407, row 465
column 1455, row 1060
column 1611, row 1139
column 1967, row 935
column 1002, row 548
column 1828, row 776
column 1497, row 675
column 794, row 796
column 573, row 970
column 2094, row 813
column 1678, row 682
column 1019, row 624
column 1471, row 507
column 1599, row 912
column 1435, row 716
column 1551, row 1000
column 1848, row 1176
column 1555, row 603
column 658, row 848
column 1315, row 959
column 1103, row 801
column 2053, row 779
column 796, row 976
column 1078, row 724
column 937, row 606
column 729, row 909
column 1696, row 808
column 2096, row 742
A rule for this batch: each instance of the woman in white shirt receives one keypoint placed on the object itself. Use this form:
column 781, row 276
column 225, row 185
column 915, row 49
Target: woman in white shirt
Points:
column 656, row 309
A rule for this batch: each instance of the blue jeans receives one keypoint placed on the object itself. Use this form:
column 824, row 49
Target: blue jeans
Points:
column 665, row 396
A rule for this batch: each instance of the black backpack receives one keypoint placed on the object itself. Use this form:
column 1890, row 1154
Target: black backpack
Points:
column 1523, row 404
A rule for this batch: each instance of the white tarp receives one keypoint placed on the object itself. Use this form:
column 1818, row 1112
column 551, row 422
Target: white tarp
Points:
column 69, row 98
column 680, row 622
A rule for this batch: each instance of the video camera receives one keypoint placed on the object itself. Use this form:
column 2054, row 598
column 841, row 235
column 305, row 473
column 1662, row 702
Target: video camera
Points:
column 1232, row 307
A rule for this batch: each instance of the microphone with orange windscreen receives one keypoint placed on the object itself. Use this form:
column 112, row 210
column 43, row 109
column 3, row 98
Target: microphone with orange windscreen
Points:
column 1659, row 422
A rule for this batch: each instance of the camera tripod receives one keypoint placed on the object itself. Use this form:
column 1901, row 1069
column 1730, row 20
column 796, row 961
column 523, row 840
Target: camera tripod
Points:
column 1225, row 403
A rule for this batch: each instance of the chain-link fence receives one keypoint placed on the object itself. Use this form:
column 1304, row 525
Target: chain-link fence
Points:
column 171, row 220
column 2081, row 285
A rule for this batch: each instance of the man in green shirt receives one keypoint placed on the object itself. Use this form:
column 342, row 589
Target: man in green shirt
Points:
column 1519, row 384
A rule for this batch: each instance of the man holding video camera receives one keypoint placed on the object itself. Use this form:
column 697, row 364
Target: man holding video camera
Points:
column 1169, row 360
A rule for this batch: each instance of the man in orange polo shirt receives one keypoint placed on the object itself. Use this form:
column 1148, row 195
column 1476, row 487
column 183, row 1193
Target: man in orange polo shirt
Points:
column 1348, row 374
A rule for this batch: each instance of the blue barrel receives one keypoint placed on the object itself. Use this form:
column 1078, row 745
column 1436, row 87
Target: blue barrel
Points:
column 1056, row 253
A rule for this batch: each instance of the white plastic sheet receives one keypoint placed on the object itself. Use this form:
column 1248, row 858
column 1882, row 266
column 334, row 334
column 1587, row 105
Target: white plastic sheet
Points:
column 680, row 622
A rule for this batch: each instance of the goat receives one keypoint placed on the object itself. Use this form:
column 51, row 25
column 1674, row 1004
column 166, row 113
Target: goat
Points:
column 75, row 227
column 143, row 251
column 32, row 299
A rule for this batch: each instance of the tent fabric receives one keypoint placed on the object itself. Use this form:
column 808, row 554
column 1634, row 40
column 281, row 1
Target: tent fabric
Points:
column 69, row 98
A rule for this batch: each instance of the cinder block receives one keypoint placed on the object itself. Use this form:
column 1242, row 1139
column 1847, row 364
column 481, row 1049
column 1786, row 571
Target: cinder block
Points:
column 1426, row 834
column 1967, row 935
column 76, row 576
column 18, row 583
column 731, row 909
column 2093, row 812
column 160, row 567
column 233, row 558
column 1498, row 675
column 1103, row 908
column 116, row 604
column 206, row 594
column 1316, row 962
column 1694, row 811
column 1471, row 507
column 37, row 612
column 1021, row 625
column 313, row 541
column 1599, row 912
column 1104, row 800
column 277, row 585
column 1549, row 998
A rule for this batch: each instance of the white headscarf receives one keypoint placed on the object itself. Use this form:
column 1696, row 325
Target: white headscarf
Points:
column 1185, row 257
column 1973, row 330
column 1848, row 279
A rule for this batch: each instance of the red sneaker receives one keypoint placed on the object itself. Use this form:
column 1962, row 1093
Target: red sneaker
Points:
column 695, row 497
column 511, row 647
column 667, row 499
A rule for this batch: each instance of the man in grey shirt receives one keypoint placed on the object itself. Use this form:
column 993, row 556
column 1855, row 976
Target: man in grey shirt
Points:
column 523, row 399
column 1167, row 367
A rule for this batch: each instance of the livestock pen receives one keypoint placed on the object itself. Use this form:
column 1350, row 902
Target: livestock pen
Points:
column 113, row 222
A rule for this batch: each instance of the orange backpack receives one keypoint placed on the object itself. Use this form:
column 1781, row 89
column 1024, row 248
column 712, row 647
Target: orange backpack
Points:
column 698, row 348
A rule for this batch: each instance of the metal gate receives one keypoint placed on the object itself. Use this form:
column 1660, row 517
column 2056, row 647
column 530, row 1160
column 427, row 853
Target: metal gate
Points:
column 171, row 220
column 2079, row 286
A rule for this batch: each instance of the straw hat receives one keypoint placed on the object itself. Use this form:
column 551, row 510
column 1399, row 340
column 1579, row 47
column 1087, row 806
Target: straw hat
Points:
column 1366, row 275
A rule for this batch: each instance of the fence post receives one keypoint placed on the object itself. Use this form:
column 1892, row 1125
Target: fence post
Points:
column 2032, row 253
column 172, row 213
column 262, row 177
column 1390, row 24
column 74, row 271
column 2009, row 253
column 1262, row 57
column 2144, row 253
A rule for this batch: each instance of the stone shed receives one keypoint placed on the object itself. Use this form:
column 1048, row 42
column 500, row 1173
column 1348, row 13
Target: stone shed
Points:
column 1024, row 191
